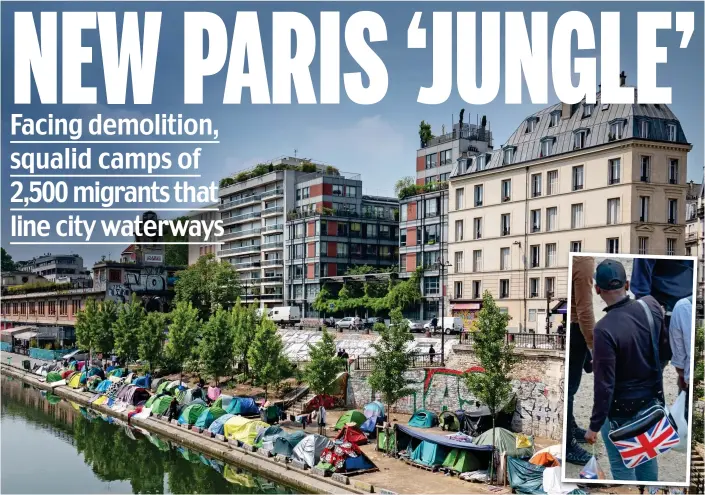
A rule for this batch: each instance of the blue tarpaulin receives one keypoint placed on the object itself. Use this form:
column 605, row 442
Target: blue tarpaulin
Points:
column 442, row 440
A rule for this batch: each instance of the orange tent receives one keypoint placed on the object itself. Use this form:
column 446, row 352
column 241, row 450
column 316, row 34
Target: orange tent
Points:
column 544, row 459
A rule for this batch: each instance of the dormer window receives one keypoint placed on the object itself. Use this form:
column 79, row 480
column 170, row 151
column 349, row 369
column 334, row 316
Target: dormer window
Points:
column 508, row 155
column 616, row 130
column 481, row 162
column 671, row 130
column 644, row 129
column 580, row 139
column 555, row 118
column 547, row 147
column 587, row 109
column 531, row 124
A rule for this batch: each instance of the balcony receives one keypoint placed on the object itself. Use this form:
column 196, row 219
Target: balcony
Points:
column 272, row 245
column 272, row 211
column 247, row 265
column 274, row 228
column 239, row 250
column 273, row 280
column 241, row 234
column 274, row 262
column 240, row 218
column 272, row 193
column 254, row 198
column 275, row 296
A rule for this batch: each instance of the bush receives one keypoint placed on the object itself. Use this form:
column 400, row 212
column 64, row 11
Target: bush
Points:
column 226, row 181
column 242, row 177
column 379, row 327
column 308, row 167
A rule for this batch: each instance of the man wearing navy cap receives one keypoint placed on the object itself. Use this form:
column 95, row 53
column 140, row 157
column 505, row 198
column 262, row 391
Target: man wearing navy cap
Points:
column 627, row 377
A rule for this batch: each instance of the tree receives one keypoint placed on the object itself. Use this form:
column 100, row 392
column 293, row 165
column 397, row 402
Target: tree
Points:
column 462, row 118
column 244, row 325
column 324, row 365
column 86, row 322
column 103, row 339
column 176, row 254
column 151, row 339
column 266, row 355
column 425, row 133
column 403, row 183
column 208, row 285
column 7, row 264
column 493, row 387
column 184, row 331
column 392, row 359
column 216, row 346
column 126, row 329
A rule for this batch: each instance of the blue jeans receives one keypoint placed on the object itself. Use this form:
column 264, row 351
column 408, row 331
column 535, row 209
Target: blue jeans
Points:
column 644, row 472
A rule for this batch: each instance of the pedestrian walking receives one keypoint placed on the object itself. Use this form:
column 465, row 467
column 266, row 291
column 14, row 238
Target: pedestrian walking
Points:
column 431, row 353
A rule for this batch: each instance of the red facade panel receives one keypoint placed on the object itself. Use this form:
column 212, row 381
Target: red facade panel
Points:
column 332, row 249
column 327, row 189
column 411, row 236
column 316, row 190
column 309, row 270
column 420, row 163
column 311, row 250
column 310, row 229
column 411, row 212
column 411, row 262
column 332, row 269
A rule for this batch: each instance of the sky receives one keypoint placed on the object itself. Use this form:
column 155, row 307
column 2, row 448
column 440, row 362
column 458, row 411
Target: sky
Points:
column 377, row 141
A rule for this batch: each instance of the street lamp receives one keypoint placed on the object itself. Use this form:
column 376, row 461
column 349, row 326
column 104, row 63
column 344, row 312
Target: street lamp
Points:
column 442, row 269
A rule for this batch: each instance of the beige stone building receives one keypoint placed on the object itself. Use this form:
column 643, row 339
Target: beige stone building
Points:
column 582, row 178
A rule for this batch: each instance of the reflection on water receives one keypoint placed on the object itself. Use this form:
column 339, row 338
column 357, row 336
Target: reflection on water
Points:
column 54, row 446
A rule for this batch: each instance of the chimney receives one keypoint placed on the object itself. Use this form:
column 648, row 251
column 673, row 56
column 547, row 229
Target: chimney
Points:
column 622, row 79
column 566, row 110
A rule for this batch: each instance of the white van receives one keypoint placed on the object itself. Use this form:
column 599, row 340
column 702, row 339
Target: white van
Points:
column 447, row 324
column 285, row 315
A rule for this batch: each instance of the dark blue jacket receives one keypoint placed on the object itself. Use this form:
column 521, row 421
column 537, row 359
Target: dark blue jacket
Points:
column 667, row 280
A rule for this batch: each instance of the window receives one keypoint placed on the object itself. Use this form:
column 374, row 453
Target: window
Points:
column 402, row 237
column 476, row 291
column 671, row 129
column 547, row 147
column 643, row 208
column 555, row 119
column 508, row 155
column 531, row 124
column 506, row 224
column 578, row 178
column 444, row 177
column 535, row 220
column 459, row 198
column 431, row 207
column 535, row 256
column 458, row 230
column 551, row 219
column 458, row 262
column 40, row 308
column 552, row 182
column 534, row 287
column 458, row 290
column 63, row 307
column 478, row 195
column 481, row 162
column 673, row 171
column 576, row 216
column 532, row 315
column 402, row 262
column 613, row 211
column 432, row 234
column 371, row 230
column 431, row 161
column 614, row 171
column 429, row 180
column 506, row 190
column 550, row 285
column 337, row 190
column 551, row 251
column 446, row 157
column 670, row 246
column 341, row 250
column 342, row 229
column 504, row 288
column 504, row 260
column 616, row 129
column 477, row 228
column 52, row 308
column 431, row 259
column 643, row 245
column 576, row 246
column 418, row 236
column 477, row 260
column 431, row 286
column 587, row 109
column 613, row 245
column 672, row 211
column 75, row 306
column 579, row 140
column 645, row 169
column 644, row 129
column 298, row 194
column 404, row 213
column 350, row 191
column 535, row 185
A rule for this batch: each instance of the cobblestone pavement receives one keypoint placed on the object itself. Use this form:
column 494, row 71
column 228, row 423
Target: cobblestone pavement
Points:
column 672, row 465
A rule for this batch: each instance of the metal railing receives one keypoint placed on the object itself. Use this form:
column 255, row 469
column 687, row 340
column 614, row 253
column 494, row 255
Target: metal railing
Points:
column 269, row 228
column 525, row 340
column 274, row 262
column 238, row 218
column 276, row 278
column 272, row 245
column 241, row 201
column 274, row 192
column 416, row 361
column 273, row 209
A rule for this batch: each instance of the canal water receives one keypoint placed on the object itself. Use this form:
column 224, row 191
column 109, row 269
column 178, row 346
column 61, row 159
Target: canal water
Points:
column 49, row 445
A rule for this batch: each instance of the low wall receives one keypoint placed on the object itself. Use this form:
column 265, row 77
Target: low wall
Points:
column 5, row 346
column 47, row 354
column 538, row 384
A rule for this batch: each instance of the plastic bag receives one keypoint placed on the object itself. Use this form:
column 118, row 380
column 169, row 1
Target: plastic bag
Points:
column 592, row 470
column 677, row 411
column 524, row 441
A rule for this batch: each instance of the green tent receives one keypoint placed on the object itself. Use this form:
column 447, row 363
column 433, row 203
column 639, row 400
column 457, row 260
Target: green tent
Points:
column 191, row 413
column 461, row 461
column 150, row 401
column 449, row 421
column 208, row 416
column 161, row 404
column 162, row 387
column 505, row 441
column 53, row 376
column 350, row 417
column 53, row 399
column 429, row 454
column 162, row 445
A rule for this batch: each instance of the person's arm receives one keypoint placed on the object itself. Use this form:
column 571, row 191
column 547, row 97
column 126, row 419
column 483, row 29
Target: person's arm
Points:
column 605, row 358
column 583, row 269
column 642, row 272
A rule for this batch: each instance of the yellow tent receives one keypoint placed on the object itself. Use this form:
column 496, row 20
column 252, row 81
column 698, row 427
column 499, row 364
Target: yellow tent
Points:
column 74, row 405
column 101, row 400
column 242, row 479
column 242, row 429
column 75, row 381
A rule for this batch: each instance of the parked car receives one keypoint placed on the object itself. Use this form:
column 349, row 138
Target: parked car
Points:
column 448, row 324
column 329, row 322
column 370, row 322
column 415, row 326
column 343, row 323
column 285, row 315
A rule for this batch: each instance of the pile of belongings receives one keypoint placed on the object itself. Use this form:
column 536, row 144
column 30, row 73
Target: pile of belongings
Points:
column 343, row 457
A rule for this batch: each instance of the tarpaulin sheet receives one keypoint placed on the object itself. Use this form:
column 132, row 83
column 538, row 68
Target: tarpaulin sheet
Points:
column 442, row 440
column 525, row 477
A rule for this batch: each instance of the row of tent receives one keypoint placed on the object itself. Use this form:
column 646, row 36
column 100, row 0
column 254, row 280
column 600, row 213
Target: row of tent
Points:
column 474, row 421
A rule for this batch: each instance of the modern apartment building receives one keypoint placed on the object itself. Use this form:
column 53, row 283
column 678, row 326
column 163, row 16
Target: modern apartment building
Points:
column 195, row 251
column 57, row 268
column 583, row 178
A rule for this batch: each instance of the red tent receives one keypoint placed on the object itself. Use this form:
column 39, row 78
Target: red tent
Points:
column 67, row 373
column 352, row 434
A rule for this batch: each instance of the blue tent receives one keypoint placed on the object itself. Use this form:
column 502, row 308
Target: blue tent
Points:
column 217, row 427
column 208, row 416
column 423, row 419
column 284, row 444
column 103, row 386
column 244, row 406
column 429, row 454
column 143, row 381
column 525, row 477
column 374, row 408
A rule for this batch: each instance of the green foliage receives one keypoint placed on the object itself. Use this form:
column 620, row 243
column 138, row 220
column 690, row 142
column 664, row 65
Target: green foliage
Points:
column 103, row 340
column 425, row 133
column 216, row 346
column 308, row 167
column 6, row 261
column 184, row 332
column 244, row 325
column 266, row 356
column 176, row 254
column 379, row 327
column 151, row 339
column 86, row 322
column 324, row 365
column 225, row 182
column 392, row 360
column 492, row 387
column 414, row 189
column 208, row 285
column 698, row 365
column 126, row 329
column 33, row 287
column 403, row 183
column 264, row 168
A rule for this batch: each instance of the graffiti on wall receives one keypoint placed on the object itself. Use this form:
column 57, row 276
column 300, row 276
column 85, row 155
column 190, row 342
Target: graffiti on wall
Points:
column 148, row 278
column 538, row 411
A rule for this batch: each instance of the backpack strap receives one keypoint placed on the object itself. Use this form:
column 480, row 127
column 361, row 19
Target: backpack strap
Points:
column 654, row 342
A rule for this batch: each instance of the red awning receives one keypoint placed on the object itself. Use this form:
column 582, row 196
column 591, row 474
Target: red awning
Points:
column 459, row 306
